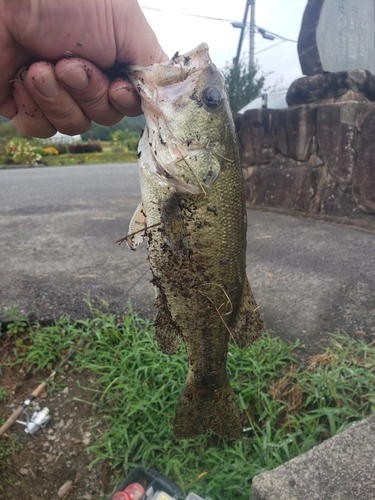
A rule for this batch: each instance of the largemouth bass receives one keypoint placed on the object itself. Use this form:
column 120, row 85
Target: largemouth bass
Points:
column 194, row 218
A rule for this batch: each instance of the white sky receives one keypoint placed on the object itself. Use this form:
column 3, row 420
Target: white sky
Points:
column 178, row 32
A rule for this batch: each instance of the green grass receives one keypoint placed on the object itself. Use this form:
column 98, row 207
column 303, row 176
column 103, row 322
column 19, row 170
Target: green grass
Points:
column 9, row 445
column 4, row 393
column 286, row 409
column 90, row 158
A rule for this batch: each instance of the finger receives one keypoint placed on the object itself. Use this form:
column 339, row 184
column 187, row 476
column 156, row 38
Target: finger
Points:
column 12, row 60
column 89, row 87
column 28, row 118
column 8, row 108
column 58, row 106
column 124, row 98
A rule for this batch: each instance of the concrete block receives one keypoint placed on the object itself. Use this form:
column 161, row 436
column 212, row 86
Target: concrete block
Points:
column 341, row 468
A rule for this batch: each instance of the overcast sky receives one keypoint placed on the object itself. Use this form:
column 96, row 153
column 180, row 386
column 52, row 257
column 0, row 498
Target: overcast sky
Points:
column 177, row 31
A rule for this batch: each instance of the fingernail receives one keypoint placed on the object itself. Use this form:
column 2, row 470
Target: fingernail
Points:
column 22, row 75
column 47, row 84
column 75, row 78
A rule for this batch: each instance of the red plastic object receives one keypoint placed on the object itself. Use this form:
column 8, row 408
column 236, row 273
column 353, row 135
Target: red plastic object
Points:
column 134, row 490
column 121, row 495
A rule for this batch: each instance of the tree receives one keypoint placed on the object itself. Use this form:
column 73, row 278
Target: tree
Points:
column 125, row 138
column 99, row 132
column 241, row 84
column 7, row 130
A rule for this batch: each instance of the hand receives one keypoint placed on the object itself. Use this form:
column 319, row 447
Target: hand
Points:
column 45, row 97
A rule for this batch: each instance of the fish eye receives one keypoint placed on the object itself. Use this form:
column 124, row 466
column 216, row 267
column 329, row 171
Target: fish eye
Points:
column 212, row 97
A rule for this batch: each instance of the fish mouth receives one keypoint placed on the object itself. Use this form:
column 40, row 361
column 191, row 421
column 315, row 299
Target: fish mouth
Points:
column 176, row 70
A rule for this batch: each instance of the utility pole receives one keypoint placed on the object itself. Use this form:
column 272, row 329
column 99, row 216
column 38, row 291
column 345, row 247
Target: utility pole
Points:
column 252, row 34
column 248, row 3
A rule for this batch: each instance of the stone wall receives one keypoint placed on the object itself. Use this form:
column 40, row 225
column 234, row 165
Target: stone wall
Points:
column 316, row 157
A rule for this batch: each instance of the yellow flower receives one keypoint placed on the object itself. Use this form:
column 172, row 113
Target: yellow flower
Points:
column 50, row 150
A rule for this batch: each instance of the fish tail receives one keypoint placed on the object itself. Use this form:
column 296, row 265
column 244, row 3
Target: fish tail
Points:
column 205, row 409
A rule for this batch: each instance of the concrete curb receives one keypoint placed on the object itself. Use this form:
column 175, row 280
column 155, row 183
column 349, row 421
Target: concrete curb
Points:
column 358, row 220
column 14, row 167
column 341, row 468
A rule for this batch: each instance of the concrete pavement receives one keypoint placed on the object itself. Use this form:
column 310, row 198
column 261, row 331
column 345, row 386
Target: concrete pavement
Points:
column 58, row 227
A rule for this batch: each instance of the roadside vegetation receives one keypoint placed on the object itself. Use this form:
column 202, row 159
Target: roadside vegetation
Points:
column 99, row 145
column 244, row 83
column 286, row 409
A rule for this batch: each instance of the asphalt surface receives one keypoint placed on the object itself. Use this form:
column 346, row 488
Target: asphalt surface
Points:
column 57, row 232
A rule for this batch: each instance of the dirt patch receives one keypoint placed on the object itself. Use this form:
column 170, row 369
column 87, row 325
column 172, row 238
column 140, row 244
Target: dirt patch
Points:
column 59, row 452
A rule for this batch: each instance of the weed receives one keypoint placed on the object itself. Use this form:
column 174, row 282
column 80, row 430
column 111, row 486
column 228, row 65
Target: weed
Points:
column 16, row 321
column 20, row 151
column 286, row 410
column 4, row 393
column 8, row 446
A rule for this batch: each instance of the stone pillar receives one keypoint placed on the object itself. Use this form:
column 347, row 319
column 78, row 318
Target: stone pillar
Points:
column 337, row 35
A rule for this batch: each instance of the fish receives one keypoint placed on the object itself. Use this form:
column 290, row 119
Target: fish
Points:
column 193, row 217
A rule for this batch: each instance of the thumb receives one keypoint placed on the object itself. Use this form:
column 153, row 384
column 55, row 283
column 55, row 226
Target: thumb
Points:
column 136, row 42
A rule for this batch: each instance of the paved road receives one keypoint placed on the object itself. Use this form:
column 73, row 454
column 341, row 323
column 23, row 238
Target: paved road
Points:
column 58, row 227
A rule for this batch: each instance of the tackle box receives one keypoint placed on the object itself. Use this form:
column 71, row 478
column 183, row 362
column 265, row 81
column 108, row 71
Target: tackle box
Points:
column 156, row 486
column 149, row 478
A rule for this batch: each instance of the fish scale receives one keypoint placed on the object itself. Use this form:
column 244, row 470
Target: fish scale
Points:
column 194, row 216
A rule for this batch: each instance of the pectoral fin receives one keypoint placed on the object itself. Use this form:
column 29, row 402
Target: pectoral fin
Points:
column 137, row 228
column 249, row 324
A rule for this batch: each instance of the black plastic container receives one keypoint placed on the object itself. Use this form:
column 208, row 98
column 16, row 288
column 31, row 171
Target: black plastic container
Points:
column 149, row 478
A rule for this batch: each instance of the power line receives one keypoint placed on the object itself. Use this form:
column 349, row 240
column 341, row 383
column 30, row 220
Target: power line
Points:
column 193, row 15
column 150, row 8
column 261, row 31
column 270, row 47
column 246, row 24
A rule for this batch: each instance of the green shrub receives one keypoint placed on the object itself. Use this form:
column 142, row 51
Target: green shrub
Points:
column 62, row 148
column 7, row 130
column 20, row 152
column 3, row 155
column 89, row 147
column 39, row 150
column 132, row 141
column 125, row 140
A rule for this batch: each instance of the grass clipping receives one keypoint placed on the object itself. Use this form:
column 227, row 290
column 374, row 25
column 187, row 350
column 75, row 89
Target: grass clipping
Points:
column 286, row 410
